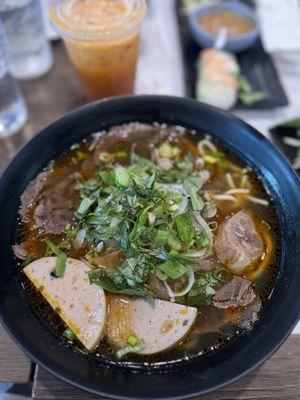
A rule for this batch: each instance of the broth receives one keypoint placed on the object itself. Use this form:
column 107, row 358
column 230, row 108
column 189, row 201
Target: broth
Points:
column 215, row 325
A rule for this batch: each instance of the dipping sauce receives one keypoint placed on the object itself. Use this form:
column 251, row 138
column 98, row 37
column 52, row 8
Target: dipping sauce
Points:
column 235, row 24
column 102, row 39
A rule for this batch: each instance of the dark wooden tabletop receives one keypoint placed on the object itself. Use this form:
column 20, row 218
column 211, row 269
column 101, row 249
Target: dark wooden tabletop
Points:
column 47, row 99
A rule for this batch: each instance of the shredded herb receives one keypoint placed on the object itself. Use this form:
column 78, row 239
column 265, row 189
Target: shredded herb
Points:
column 69, row 334
column 85, row 205
column 202, row 291
column 61, row 260
column 133, row 208
column 29, row 258
column 192, row 189
column 185, row 227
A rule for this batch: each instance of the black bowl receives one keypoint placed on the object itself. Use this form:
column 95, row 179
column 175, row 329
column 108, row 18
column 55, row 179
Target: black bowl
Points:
column 201, row 375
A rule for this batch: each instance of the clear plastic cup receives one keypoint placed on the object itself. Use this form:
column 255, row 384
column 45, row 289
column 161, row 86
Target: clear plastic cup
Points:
column 102, row 38
column 13, row 112
column 30, row 51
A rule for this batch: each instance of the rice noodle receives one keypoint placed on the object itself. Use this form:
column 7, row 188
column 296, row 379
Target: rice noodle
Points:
column 237, row 191
column 191, row 280
column 230, row 180
column 234, row 167
column 244, row 181
column 225, row 197
column 257, row 200
column 206, row 143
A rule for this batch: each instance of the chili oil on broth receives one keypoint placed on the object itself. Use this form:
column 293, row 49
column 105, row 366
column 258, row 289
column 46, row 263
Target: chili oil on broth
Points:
column 213, row 328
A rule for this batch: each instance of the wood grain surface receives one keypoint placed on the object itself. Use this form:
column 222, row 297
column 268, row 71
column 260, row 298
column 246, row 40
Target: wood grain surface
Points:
column 14, row 365
column 276, row 379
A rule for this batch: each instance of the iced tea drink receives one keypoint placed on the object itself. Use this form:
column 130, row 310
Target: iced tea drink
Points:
column 102, row 39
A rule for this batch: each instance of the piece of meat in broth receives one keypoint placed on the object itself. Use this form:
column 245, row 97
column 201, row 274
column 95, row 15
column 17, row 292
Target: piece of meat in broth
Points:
column 245, row 317
column 53, row 212
column 19, row 251
column 135, row 136
column 237, row 243
column 239, row 300
column 238, row 292
column 31, row 194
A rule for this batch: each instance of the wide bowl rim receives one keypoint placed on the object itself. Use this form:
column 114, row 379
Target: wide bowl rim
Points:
column 171, row 101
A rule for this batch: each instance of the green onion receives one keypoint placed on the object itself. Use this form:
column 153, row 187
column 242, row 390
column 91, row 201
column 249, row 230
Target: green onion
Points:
column 85, row 205
column 131, row 349
column 69, row 334
column 121, row 153
column 60, row 265
column 165, row 150
column 173, row 270
column 173, row 242
column 191, row 188
column 173, row 206
column 132, row 340
column 197, row 181
column 210, row 159
column 81, row 156
column 105, row 157
column 122, row 176
column 221, row 274
column 161, row 237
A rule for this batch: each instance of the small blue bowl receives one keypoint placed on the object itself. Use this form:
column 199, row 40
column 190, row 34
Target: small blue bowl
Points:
column 234, row 45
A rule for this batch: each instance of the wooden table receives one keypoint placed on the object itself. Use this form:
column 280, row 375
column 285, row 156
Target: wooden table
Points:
column 48, row 98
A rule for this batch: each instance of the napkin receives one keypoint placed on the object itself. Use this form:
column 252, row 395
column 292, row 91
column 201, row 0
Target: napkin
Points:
column 279, row 24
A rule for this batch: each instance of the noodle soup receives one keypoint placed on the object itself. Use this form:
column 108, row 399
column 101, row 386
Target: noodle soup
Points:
column 147, row 244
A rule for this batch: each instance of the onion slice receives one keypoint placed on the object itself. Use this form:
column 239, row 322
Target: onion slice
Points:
column 78, row 241
column 201, row 222
column 191, row 280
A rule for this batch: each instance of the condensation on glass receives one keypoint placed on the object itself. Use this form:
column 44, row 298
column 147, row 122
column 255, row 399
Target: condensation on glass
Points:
column 30, row 51
column 13, row 112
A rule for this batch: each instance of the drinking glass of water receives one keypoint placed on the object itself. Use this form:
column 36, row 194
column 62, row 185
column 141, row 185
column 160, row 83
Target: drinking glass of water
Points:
column 13, row 112
column 30, row 51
